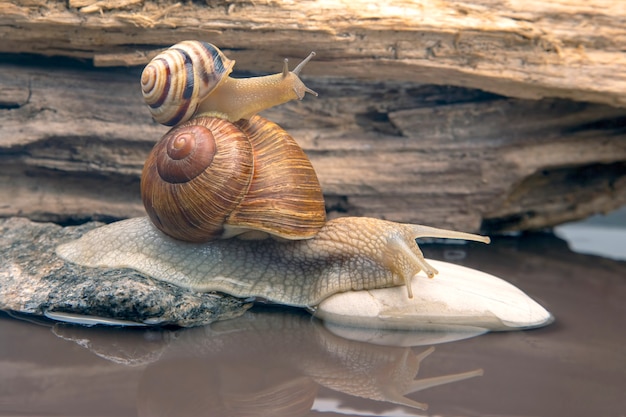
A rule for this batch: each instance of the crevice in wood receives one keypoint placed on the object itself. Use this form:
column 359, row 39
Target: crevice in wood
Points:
column 561, row 194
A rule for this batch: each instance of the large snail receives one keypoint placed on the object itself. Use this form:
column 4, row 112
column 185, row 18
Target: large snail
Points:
column 308, row 260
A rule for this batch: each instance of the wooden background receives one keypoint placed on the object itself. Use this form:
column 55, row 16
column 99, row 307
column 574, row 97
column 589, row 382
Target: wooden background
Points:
column 474, row 115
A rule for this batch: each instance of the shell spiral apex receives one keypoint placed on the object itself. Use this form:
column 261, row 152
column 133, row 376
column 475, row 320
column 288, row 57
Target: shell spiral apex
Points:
column 188, row 152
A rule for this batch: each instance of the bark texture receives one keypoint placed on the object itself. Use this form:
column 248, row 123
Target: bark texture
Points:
column 530, row 49
column 464, row 115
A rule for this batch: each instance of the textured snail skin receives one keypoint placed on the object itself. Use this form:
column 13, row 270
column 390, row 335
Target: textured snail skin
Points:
column 350, row 253
column 242, row 98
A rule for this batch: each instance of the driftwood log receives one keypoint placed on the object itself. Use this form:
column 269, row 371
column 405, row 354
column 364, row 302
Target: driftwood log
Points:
column 457, row 114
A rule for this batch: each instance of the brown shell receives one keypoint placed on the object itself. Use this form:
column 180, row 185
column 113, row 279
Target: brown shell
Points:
column 177, row 79
column 251, row 176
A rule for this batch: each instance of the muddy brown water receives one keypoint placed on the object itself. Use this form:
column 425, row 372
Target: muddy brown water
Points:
column 281, row 362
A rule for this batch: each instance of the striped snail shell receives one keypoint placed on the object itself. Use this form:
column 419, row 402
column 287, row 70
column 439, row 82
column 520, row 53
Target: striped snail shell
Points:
column 175, row 81
column 209, row 178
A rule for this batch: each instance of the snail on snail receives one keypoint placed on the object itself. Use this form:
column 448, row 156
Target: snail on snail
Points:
column 269, row 189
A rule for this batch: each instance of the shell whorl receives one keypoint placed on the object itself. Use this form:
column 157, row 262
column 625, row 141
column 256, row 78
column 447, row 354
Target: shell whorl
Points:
column 177, row 79
column 187, row 153
column 209, row 178
column 190, row 198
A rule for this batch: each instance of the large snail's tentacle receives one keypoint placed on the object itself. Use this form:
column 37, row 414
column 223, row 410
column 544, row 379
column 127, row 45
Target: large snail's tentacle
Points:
column 415, row 254
column 347, row 254
column 388, row 248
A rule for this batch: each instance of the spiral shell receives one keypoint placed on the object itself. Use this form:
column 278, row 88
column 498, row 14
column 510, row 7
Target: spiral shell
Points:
column 209, row 178
column 177, row 79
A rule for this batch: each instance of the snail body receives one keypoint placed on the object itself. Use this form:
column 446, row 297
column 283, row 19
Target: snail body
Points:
column 348, row 253
column 192, row 77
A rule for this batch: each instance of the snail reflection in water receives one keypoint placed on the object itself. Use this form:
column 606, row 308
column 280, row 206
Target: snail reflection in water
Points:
column 264, row 234
column 273, row 363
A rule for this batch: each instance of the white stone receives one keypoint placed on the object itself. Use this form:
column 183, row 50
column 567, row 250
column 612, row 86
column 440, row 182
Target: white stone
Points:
column 458, row 296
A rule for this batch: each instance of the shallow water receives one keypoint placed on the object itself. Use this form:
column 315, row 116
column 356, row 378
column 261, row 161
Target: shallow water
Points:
column 281, row 362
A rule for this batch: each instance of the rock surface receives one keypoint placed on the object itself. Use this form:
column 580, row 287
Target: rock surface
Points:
column 34, row 280
column 457, row 298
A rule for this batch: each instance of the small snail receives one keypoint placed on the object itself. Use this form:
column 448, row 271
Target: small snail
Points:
column 269, row 188
column 192, row 77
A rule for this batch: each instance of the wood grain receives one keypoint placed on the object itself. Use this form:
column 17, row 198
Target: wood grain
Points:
column 573, row 49
column 73, row 140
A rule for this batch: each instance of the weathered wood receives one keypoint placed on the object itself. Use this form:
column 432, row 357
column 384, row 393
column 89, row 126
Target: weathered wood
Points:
column 384, row 139
column 572, row 49
column 73, row 141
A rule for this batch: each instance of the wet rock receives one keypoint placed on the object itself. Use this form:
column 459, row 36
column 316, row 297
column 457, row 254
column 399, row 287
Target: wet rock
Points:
column 457, row 298
column 34, row 280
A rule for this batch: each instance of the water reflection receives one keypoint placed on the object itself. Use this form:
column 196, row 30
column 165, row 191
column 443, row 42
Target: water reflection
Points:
column 269, row 362
column 281, row 361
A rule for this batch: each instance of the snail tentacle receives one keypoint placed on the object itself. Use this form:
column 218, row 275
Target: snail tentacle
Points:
column 303, row 88
column 301, row 65
column 413, row 252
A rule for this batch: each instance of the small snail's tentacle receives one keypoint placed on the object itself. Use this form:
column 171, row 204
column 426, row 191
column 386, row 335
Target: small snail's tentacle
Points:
column 300, row 92
column 301, row 65
column 350, row 253
column 286, row 67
